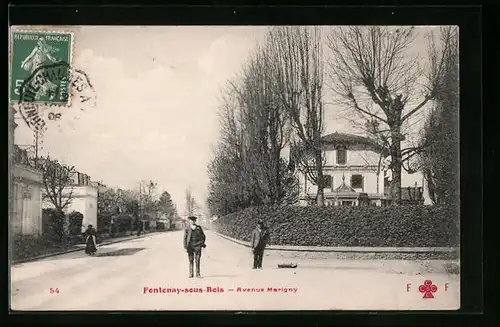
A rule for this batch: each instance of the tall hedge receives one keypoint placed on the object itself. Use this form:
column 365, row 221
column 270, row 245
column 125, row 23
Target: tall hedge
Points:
column 365, row 226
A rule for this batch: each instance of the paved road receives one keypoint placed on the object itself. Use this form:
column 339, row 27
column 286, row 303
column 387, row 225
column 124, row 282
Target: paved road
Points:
column 151, row 274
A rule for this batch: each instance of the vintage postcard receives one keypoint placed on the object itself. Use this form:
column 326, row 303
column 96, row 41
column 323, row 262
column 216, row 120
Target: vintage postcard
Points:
column 234, row 168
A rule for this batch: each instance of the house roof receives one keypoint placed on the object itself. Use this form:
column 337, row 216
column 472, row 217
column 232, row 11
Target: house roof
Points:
column 351, row 139
column 344, row 139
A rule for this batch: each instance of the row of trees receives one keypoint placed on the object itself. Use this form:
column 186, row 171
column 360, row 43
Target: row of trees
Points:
column 278, row 101
column 135, row 205
column 143, row 203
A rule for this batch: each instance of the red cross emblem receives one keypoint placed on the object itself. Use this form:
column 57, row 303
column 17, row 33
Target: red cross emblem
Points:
column 428, row 288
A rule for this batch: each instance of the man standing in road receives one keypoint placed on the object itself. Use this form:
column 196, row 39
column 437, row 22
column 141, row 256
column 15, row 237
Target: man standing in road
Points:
column 260, row 237
column 194, row 240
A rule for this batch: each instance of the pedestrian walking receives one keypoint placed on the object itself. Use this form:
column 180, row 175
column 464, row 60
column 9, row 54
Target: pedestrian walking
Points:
column 90, row 240
column 194, row 241
column 260, row 237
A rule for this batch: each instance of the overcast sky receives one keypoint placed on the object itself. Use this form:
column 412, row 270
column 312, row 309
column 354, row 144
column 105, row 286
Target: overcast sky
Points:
column 158, row 90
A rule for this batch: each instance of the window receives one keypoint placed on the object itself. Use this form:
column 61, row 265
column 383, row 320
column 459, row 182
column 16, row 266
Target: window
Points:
column 357, row 181
column 341, row 156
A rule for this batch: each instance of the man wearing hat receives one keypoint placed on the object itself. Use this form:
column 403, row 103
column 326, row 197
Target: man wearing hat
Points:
column 194, row 240
column 260, row 237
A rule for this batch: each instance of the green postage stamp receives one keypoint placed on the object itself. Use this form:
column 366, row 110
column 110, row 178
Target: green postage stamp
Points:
column 31, row 51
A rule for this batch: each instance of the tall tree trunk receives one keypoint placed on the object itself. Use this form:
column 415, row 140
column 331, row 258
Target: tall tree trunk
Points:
column 278, row 178
column 320, row 195
column 395, row 150
column 378, row 172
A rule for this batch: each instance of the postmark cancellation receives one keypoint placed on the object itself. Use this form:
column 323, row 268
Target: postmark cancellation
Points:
column 43, row 77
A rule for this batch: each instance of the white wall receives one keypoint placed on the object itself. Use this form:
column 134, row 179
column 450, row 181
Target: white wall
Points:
column 83, row 200
column 27, row 201
column 363, row 162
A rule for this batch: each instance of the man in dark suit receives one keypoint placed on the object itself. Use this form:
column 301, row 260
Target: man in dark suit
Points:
column 194, row 241
column 260, row 237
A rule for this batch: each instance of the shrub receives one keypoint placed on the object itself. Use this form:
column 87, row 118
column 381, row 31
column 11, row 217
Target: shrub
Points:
column 75, row 223
column 367, row 226
column 53, row 224
column 30, row 246
column 123, row 224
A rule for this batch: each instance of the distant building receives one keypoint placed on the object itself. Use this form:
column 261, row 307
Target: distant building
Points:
column 353, row 177
column 178, row 223
column 99, row 186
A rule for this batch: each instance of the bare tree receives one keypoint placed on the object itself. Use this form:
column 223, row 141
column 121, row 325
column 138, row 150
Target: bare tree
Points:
column 297, row 63
column 191, row 205
column 265, row 124
column 57, row 179
column 150, row 200
column 373, row 72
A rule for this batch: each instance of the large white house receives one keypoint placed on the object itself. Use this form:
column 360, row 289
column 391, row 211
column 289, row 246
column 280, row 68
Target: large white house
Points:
column 354, row 175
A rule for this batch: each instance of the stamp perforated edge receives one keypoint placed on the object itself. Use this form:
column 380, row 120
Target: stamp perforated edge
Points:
column 40, row 30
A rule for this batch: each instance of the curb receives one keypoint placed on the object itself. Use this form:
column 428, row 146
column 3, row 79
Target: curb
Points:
column 48, row 255
column 347, row 249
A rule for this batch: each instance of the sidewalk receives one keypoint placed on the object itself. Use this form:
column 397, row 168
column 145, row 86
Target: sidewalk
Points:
column 394, row 261
column 81, row 247
column 323, row 252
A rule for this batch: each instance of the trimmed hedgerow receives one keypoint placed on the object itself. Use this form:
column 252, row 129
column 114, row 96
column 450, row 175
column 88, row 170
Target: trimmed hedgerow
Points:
column 370, row 226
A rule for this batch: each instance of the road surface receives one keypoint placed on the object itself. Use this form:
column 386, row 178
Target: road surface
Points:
column 151, row 273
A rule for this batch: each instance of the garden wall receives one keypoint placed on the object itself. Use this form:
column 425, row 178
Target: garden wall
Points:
column 370, row 226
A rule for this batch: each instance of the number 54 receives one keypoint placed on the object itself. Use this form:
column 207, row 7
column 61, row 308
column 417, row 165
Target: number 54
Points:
column 54, row 290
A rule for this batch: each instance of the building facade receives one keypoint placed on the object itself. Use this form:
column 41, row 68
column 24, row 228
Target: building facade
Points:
column 25, row 185
column 26, row 210
column 354, row 175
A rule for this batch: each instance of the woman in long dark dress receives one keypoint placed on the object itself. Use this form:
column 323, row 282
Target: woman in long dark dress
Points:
column 90, row 240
